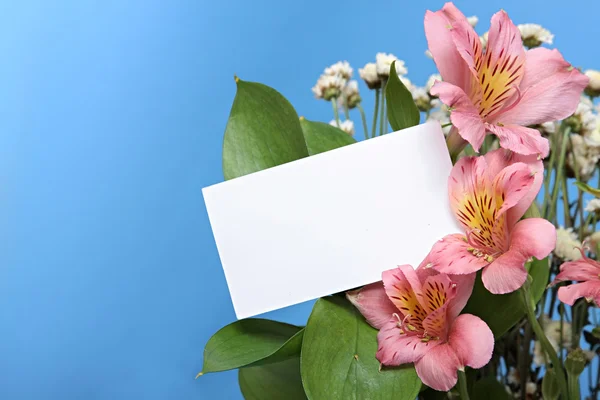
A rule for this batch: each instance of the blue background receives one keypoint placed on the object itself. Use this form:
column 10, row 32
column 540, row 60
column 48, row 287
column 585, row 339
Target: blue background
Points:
column 111, row 121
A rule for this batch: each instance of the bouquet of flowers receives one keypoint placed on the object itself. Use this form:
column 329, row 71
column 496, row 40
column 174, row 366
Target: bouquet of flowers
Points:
column 505, row 308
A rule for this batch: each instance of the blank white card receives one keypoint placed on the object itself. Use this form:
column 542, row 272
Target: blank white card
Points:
column 333, row 221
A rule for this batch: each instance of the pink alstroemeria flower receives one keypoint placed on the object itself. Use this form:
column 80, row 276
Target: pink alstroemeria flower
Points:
column 488, row 195
column 417, row 314
column 587, row 272
column 502, row 89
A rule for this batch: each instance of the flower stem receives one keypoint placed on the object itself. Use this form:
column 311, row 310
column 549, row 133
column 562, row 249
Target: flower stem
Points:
column 382, row 121
column 335, row 111
column 462, row 385
column 559, row 174
column 541, row 336
column 374, row 127
column 549, row 174
column 574, row 392
column 364, row 120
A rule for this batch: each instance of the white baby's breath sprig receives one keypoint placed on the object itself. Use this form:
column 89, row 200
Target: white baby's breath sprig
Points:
column 534, row 35
column 346, row 126
column 593, row 87
column 567, row 245
column 329, row 87
column 368, row 73
column 384, row 62
column 340, row 68
column 350, row 97
column 473, row 20
column 593, row 206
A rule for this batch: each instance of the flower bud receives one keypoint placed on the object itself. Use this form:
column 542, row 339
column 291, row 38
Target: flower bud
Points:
column 575, row 362
column 550, row 388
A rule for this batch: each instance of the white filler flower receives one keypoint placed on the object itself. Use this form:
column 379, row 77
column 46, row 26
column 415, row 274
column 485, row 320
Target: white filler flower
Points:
column 369, row 74
column 340, row 68
column 567, row 245
column 593, row 87
column 384, row 62
column 347, row 126
column 329, row 87
column 534, row 35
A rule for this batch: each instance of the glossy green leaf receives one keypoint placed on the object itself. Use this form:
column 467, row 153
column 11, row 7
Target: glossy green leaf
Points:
column 263, row 131
column 588, row 189
column 338, row 358
column 502, row 311
column 273, row 381
column 489, row 389
column 321, row 137
column 251, row 341
column 401, row 108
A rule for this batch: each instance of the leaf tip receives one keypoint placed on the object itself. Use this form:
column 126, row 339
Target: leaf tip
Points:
column 199, row 375
column 236, row 78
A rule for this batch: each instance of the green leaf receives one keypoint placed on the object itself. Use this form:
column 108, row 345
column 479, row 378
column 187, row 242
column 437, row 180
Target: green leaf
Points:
column 263, row 131
column 588, row 189
column 251, row 341
column 338, row 358
column 490, row 389
column 272, row 382
column 401, row 108
column 321, row 137
column 502, row 311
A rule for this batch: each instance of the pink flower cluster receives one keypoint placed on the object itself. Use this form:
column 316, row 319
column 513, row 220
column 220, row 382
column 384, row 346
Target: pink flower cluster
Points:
column 499, row 90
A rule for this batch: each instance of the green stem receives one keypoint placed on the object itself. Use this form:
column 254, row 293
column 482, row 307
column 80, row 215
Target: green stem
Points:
column 335, row 111
column 574, row 392
column 549, row 174
column 559, row 174
column 462, row 385
column 382, row 116
column 346, row 109
column 374, row 126
column 566, row 208
column 539, row 333
column 364, row 120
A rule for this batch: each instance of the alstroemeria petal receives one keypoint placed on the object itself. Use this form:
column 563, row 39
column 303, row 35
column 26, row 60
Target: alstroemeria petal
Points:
column 542, row 63
column 396, row 348
column 451, row 255
column 521, row 139
column 399, row 290
column 438, row 368
column 583, row 269
column 511, row 185
column 502, row 68
column 553, row 98
column 464, row 115
column 472, row 340
column 373, row 303
column 464, row 288
column 505, row 274
column 450, row 64
column 589, row 290
column 438, row 292
column 499, row 159
column 533, row 237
